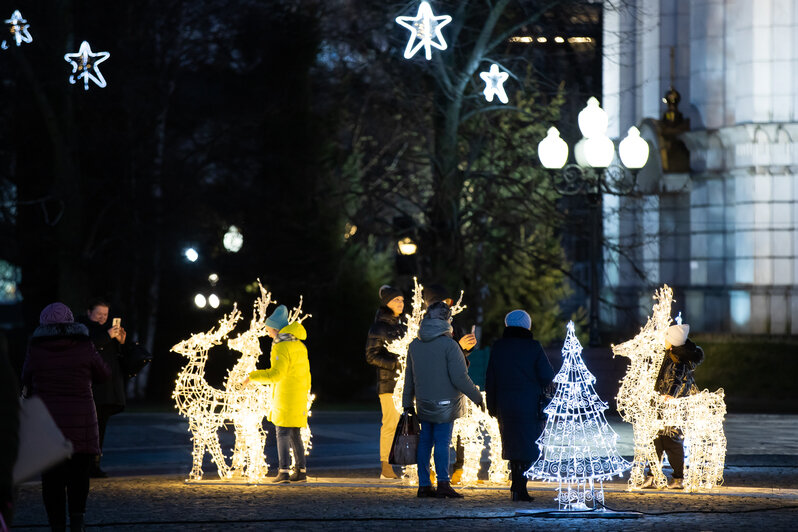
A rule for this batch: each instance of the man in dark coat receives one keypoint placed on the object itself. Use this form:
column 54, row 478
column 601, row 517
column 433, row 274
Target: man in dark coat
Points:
column 109, row 395
column 676, row 379
column 385, row 329
column 518, row 373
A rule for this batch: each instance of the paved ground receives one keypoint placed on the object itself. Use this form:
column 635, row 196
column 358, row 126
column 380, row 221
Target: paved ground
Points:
column 148, row 456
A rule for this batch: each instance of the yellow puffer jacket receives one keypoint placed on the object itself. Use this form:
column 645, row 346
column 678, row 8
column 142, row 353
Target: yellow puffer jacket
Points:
column 289, row 375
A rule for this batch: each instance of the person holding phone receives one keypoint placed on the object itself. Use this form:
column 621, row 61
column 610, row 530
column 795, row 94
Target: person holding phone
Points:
column 109, row 395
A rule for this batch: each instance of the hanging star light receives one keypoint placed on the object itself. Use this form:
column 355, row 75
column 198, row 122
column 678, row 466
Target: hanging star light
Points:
column 699, row 417
column 84, row 65
column 578, row 448
column 494, row 83
column 426, row 28
column 18, row 27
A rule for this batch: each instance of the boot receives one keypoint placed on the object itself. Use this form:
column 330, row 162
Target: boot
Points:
column 76, row 523
column 445, row 491
column 95, row 471
column 518, row 491
column 282, row 478
column 425, row 491
column 387, row 472
column 299, row 475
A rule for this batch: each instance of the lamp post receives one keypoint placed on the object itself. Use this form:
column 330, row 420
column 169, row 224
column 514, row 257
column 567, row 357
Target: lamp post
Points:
column 594, row 174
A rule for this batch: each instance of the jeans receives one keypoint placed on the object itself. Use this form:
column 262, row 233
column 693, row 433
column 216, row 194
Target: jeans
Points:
column 675, row 450
column 438, row 435
column 289, row 438
column 69, row 480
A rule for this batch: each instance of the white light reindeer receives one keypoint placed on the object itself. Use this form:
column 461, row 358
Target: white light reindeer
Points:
column 699, row 416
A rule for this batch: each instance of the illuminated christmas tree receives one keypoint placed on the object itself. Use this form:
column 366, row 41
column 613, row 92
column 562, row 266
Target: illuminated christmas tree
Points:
column 578, row 446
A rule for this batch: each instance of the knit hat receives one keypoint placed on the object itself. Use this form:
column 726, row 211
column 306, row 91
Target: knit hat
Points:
column 278, row 318
column 676, row 335
column 518, row 318
column 389, row 293
column 434, row 293
column 56, row 313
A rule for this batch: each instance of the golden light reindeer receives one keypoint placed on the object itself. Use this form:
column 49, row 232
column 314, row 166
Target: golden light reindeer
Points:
column 699, row 416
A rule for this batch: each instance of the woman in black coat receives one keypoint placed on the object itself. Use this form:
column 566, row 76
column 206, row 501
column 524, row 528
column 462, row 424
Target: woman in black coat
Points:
column 518, row 372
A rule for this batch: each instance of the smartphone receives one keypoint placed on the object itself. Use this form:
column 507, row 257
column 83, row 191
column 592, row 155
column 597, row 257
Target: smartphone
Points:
column 116, row 322
column 473, row 329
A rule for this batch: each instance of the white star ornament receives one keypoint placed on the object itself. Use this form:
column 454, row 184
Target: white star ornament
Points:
column 426, row 28
column 84, row 65
column 494, row 83
column 18, row 27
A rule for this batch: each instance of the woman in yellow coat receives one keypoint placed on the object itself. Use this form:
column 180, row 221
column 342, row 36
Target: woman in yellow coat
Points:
column 289, row 376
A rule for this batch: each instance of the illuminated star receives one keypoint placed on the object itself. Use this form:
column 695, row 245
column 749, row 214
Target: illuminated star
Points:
column 494, row 83
column 18, row 28
column 425, row 27
column 84, row 65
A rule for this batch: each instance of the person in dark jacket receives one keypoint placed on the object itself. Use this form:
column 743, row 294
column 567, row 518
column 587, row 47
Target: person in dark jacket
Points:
column 386, row 328
column 517, row 375
column 676, row 379
column 9, row 428
column 109, row 395
column 437, row 377
column 59, row 368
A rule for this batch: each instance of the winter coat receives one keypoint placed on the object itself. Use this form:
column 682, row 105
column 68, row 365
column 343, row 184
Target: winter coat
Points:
column 9, row 427
column 436, row 374
column 110, row 392
column 518, row 371
column 289, row 375
column 60, row 366
column 676, row 374
column 385, row 329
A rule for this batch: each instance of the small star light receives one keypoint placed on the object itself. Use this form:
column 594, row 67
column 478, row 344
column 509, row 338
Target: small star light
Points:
column 494, row 83
column 425, row 27
column 84, row 64
column 18, row 27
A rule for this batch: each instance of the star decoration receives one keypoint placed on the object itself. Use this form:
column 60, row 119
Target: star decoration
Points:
column 425, row 27
column 18, row 28
column 84, row 65
column 494, row 83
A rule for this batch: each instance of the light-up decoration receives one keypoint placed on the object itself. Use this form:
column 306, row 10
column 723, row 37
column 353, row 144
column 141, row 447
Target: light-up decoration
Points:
column 494, row 83
column 233, row 240
column 200, row 301
column 191, row 254
column 213, row 301
column 84, row 65
column 595, row 150
column 407, row 246
column 209, row 409
column 578, row 448
column 552, row 150
column 426, row 28
column 472, row 428
column 699, row 417
column 18, row 27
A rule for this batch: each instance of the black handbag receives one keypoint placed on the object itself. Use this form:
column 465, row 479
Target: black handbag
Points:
column 405, row 440
column 134, row 360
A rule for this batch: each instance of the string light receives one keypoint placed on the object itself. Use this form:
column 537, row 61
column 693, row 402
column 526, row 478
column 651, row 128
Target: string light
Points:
column 84, row 63
column 578, row 448
column 18, row 27
column 473, row 427
column 244, row 407
column 699, row 417
column 425, row 27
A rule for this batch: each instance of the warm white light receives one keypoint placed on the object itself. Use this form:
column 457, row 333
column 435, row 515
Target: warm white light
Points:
column 553, row 151
column 407, row 246
column 191, row 254
column 524, row 39
column 494, row 83
column 200, row 301
column 633, row 150
column 580, row 40
column 542, row 39
column 233, row 239
column 699, row 417
column 84, row 64
column 559, row 40
column 213, row 279
column 213, row 301
column 426, row 27
column 598, row 151
column 593, row 120
column 18, row 27
column 578, row 448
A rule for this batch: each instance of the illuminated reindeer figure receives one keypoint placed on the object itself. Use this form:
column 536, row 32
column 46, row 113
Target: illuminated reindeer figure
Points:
column 699, row 416
column 473, row 426
column 203, row 405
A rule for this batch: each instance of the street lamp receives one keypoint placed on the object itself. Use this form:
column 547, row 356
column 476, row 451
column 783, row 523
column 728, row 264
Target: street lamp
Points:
column 407, row 246
column 594, row 175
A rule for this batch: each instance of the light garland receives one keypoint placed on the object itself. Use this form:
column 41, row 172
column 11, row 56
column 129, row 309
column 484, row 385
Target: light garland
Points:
column 84, row 64
column 18, row 27
column 494, row 83
column 426, row 27
column 699, row 416
column 578, row 448
column 244, row 407
column 473, row 427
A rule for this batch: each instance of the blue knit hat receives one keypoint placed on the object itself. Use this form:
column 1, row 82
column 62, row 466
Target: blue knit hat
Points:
column 278, row 318
column 518, row 318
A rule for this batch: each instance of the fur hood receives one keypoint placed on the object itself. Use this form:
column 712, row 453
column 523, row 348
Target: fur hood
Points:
column 60, row 330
